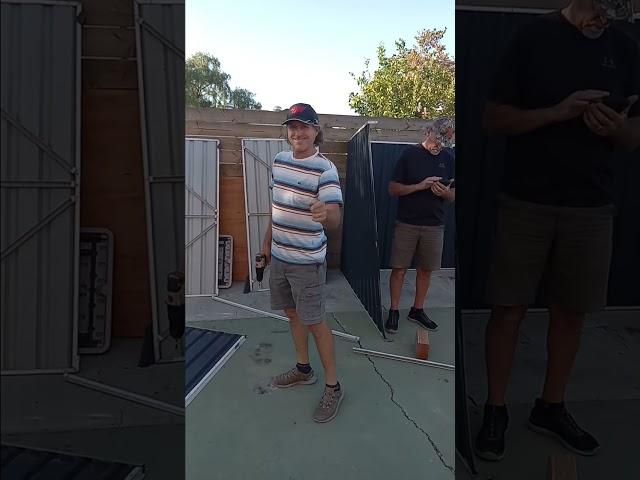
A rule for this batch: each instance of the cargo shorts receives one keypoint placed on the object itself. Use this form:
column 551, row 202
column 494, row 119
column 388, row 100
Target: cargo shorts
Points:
column 301, row 287
column 423, row 242
column 563, row 252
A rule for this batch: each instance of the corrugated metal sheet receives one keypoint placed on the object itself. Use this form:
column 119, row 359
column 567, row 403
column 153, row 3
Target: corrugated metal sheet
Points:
column 360, row 258
column 384, row 156
column 23, row 463
column 160, row 37
column 258, row 155
column 201, row 219
column 40, row 164
column 206, row 351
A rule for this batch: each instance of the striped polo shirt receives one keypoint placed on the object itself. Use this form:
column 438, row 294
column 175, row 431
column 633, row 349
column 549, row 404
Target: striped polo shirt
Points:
column 297, row 183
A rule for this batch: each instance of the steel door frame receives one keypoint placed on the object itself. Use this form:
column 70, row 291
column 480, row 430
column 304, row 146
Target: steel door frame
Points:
column 73, row 185
column 215, row 216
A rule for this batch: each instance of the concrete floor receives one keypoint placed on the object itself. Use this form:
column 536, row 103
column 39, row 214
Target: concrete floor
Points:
column 609, row 355
column 47, row 412
column 397, row 419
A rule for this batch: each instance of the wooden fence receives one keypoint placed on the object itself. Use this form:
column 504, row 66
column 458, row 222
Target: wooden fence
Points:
column 231, row 126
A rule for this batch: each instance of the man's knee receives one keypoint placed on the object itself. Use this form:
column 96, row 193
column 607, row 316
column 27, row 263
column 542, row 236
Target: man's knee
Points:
column 423, row 272
column 566, row 318
column 398, row 272
column 508, row 316
column 318, row 329
column 291, row 314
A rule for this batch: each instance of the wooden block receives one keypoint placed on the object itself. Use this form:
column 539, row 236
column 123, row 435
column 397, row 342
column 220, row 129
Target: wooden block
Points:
column 422, row 344
column 563, row 467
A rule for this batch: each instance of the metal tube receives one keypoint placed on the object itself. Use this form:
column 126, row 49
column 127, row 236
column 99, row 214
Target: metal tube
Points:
column 346, row 336
column 391, row 356
column 125, row 394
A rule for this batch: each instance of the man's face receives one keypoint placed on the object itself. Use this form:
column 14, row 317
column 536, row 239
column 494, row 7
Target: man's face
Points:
column 432, row 143
column 301, row 135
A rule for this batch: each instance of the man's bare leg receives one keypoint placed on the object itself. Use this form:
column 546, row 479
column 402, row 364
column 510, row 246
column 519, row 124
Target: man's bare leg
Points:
column 501, row 338
column 563, row 341
column 395, row 286
column 324, row 341
column 423, row 281
column 300, row 334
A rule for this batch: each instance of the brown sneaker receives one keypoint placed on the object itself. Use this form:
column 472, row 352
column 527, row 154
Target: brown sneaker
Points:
column 327, row 409
column 294, row 377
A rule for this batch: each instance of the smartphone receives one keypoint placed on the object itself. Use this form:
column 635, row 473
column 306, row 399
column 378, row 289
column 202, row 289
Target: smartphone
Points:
column 449, row 182
column 616, row 103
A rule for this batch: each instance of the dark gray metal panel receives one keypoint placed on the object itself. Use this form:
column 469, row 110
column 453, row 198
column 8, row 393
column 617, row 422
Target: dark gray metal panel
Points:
column 22, row 463
column 481, row 40
column 384, row 157
column 40, row 169
column 201, row 221
column 360, row 259
column 160, row 35
column 204, row 348
column 258, row 155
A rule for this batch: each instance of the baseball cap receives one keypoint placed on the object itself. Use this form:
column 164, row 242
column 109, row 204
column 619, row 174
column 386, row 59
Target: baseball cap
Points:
column 302, row 112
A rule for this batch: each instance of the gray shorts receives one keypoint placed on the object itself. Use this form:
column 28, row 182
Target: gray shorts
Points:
column 565, row 250
column 299, row 286
column 423, row 242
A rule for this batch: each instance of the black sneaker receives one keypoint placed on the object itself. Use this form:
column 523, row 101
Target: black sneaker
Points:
column 555, row 420
column 490, row 440
column 391, row 325
column 421, row 318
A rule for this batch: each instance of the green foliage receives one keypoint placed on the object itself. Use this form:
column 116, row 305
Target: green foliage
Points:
column 206, row 85
column 417, row 82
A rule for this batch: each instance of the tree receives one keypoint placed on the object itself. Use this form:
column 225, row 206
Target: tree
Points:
column 206, row 85
column 417, row 82
column 242, row 98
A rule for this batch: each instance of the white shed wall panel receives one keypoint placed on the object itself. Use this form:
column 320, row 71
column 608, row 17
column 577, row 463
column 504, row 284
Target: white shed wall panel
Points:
column 40, row 167
column 160, row 36
column 201, row 219
column 258, row 155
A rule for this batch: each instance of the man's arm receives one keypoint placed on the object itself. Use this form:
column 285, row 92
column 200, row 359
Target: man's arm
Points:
column 266, row 244
column 509, row 120
column 334, row 216
column 400, row 190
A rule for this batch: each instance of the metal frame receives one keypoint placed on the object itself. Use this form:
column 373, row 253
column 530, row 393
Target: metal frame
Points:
column 216, row 216
column 391, row 356
column 109, row 310
column 75, row 198
column 248, row 214
column 346, row 336
column 125, row 394
column 148, row 180
column 214, row 370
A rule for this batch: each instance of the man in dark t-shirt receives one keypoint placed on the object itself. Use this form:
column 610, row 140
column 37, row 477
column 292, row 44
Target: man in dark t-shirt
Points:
column 565, row 95
column 422, row 180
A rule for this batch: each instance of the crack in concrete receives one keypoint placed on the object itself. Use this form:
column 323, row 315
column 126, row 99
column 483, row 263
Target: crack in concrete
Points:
column 395, row 402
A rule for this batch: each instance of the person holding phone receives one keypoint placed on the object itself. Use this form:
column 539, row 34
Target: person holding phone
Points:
column 565, row 95
column 306, row 201
column 423, row 181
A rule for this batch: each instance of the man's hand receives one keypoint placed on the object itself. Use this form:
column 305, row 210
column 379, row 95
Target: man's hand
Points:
column 428, row 182
column 266, row 252
column 319, row 211
column 576, row 104
column 605, row 121
column 440, row 190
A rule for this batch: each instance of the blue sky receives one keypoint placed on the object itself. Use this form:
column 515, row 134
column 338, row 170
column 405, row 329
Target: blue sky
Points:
column 289, row 51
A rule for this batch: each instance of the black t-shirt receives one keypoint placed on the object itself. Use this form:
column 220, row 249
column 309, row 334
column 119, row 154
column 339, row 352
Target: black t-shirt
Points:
column 549, row 59
column 414, row 165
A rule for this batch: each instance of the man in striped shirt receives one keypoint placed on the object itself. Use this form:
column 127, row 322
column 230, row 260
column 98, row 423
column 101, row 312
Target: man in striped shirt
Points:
column 306, row 200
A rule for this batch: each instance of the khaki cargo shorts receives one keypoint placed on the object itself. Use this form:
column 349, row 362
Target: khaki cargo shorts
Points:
column 423, row 242
column 299, row 286
column 566, row 250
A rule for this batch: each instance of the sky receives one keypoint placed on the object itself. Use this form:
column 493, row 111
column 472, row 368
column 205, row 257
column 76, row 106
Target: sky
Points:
column 289, row 51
